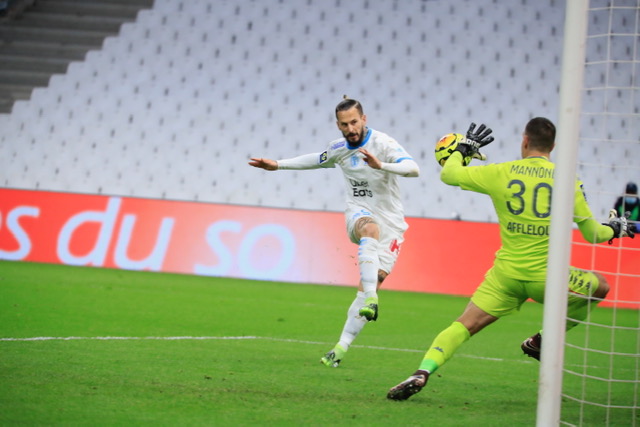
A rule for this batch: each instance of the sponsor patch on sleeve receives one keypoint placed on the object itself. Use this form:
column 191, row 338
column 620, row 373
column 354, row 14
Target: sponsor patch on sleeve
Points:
column 323, row 157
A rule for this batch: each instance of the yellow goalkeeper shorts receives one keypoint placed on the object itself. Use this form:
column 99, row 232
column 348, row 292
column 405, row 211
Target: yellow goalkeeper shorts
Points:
column 500, row 295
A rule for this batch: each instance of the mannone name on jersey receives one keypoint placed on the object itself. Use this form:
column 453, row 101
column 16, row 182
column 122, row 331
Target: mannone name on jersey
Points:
column 532, row 171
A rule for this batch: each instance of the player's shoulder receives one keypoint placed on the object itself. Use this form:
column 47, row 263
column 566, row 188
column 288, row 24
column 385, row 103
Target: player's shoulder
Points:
column 490, row 172
column 337, row 145
column 382, row 142
column 381, row 137
column 335, row 150
column 537, row 167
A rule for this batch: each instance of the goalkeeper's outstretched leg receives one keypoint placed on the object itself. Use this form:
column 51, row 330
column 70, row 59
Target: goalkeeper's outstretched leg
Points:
column 586, row 290
column 443, row 347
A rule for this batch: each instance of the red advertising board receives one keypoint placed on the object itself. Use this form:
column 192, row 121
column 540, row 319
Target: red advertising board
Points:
column 263, row 243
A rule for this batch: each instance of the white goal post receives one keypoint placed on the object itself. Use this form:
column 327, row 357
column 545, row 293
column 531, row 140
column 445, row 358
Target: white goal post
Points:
column 555, row 307
column 599, row 111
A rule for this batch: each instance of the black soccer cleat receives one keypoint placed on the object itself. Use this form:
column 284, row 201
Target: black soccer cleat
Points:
column 410, row 386
column 531, row 346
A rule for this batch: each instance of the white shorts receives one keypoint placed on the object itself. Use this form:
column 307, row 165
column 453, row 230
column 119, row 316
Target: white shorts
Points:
column 388, row 245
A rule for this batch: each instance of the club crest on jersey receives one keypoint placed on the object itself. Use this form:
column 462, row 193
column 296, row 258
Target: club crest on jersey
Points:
column 323, row 157
column 354, row 161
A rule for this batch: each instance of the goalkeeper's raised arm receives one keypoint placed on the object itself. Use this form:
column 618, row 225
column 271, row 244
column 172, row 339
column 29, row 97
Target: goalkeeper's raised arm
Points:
column 466, row 150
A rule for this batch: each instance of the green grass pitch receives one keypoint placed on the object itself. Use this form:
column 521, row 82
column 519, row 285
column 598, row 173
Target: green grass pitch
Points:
column 145, row 348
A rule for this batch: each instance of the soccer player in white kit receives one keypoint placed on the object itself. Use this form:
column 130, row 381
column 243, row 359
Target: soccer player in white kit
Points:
column 371, row 162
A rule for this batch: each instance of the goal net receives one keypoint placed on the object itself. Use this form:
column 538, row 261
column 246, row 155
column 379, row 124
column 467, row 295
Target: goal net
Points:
column 601, row 368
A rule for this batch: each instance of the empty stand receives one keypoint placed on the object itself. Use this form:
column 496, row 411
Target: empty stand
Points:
column 175, row 103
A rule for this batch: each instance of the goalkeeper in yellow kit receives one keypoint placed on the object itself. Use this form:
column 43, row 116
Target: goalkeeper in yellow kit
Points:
column 521, row 194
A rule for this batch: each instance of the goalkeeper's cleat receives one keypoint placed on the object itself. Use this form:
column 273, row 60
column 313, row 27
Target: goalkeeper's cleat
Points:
column 531, row 346
column 410, row 386
column 370, row 310
column 332, row 359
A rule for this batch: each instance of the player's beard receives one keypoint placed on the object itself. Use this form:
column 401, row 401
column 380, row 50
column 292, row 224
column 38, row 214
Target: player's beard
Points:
column 354, row 138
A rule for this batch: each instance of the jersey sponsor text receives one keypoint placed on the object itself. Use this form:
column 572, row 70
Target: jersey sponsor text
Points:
column 534, row 230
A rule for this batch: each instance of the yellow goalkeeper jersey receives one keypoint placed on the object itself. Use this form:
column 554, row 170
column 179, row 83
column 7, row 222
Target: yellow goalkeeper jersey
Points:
column 521, row 194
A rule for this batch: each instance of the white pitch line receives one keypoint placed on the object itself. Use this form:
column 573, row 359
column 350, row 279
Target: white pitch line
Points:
column 128, row 338
column 185, row 338
column 251, row 337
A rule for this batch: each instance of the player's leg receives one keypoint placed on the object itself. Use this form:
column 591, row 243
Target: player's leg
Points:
column 586, row 290
column 355, row 321
column 388, row 251
column 494, row 298
column 367, row 232
column 531, row 346
column 362, row 230
column 472, row 321
column 443, row 347
column 352, row 328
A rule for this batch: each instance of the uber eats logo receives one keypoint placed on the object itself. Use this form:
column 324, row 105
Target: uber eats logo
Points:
column 361, row 188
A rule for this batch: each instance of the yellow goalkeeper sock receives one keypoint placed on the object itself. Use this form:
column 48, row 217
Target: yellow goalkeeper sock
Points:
column 444, row 346
column 577, row 310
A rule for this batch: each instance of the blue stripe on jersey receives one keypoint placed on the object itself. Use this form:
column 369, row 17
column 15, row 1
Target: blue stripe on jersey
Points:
column 366, row 138
column 403, row 158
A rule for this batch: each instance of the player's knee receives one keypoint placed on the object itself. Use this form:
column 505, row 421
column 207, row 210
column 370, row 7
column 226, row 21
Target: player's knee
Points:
column 367, row 227
column 603, row 287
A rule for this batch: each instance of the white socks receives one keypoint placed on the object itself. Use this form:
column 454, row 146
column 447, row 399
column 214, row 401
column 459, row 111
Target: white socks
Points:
column 354, row 323
column 369, row 264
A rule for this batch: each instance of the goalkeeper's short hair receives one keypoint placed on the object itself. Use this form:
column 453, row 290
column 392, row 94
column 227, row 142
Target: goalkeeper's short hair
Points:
column 542, row 134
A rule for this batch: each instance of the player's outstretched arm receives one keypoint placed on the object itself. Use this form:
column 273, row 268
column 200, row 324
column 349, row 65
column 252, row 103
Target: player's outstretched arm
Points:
column 266, row 164
column 617, row 227
column 620, row 226
column 305, row 161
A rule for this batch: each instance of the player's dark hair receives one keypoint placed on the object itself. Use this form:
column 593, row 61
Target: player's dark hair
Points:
column 347, row 104
column 541, row 133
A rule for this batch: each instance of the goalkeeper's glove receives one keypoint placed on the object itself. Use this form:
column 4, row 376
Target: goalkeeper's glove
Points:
column 620, row 226
column 475, row 140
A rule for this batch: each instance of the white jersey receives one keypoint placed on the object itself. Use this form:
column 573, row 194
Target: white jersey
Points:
column 373, row 190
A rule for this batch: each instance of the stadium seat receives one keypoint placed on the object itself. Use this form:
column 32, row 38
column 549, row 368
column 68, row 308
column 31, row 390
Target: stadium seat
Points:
column 225, row 80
